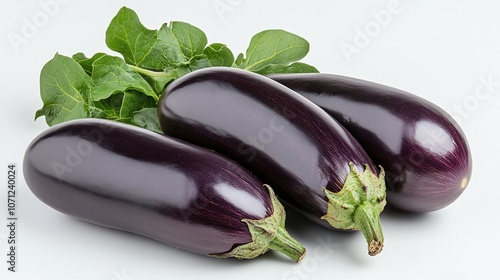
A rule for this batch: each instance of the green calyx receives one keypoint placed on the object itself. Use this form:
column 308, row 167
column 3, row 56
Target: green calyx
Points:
column 268, row 234
column 358, row 206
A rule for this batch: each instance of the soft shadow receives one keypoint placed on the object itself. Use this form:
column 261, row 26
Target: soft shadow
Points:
column 299, row 224
column 148, row 246
column 398, row 215
column 351, row 244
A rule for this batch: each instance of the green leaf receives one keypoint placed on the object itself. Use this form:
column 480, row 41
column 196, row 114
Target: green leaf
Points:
column 134, row 101
column 112, row 75
column 64, row 89
column 108, row 108
column 85, row 62
column 274, row 47
column 179, row 43
column 167, row 51
column 168, row 47
column 129, row 37
column 128, row 89
column 147, row 118
column 199, row 62
column 297, row 67
column 79, row 57
column 214, row 55
column 219, row 55
column 150, row 49
column 190, row 39
column 122, row 106
column 238, row 63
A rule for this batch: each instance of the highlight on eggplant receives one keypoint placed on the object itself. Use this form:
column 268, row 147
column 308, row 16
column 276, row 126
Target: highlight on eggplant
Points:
column 312, row 162
column 425, row 153
column 128, row 178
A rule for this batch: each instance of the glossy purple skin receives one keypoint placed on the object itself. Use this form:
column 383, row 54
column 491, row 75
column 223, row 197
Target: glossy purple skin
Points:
column 128, row 178
column 281, row 137
column 422, row 149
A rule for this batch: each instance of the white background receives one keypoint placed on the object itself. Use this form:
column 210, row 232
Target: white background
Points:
column 439, row 50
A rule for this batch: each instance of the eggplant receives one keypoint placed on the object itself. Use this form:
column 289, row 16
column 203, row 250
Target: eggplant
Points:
column 128, row 178
column 312, row 162
column 424, row 152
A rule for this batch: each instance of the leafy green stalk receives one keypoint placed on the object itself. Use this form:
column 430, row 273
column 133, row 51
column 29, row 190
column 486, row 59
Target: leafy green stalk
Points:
column 128, row 88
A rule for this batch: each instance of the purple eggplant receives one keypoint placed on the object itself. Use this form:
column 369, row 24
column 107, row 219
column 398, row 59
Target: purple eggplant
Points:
column 311, row 161
column 423, row 150
column 131, row 179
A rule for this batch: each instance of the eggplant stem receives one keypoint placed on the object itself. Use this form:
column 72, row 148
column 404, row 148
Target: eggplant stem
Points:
column 358, row 206
column 268, row 233
column 285, row 244
column 367, row 219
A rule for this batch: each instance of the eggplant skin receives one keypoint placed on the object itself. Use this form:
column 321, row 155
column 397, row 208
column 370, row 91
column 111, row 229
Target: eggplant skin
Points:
column 128, row 178
column 281, row 137
column 424, row 152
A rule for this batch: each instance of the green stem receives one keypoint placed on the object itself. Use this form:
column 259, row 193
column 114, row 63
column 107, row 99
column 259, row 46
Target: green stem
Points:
column 358, row 206
column 285, row 244
column 268, row 233
column 367, row 219
column 151, row 73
